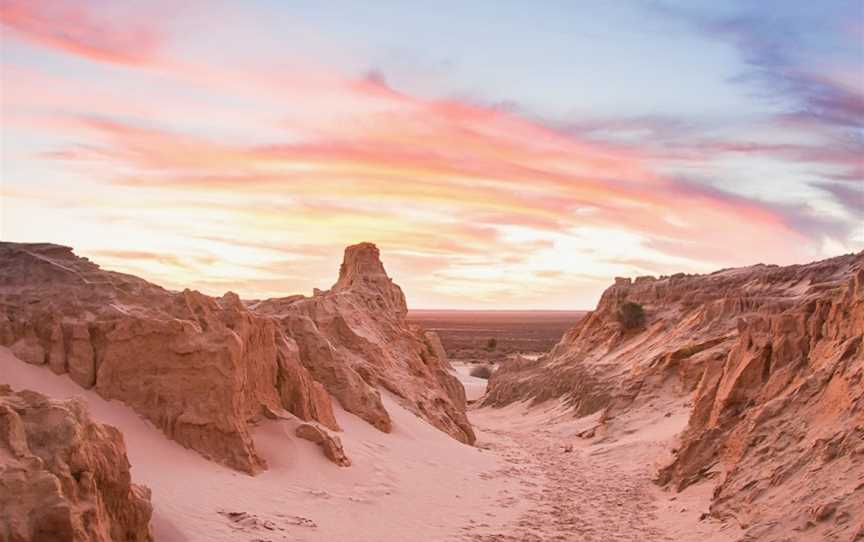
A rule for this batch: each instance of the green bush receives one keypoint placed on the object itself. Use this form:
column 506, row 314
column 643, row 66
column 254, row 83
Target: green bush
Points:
column 631, row 315
column 482, row 371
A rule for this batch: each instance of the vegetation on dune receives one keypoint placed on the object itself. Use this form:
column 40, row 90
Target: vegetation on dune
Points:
column 482, row 371
column 631, row 315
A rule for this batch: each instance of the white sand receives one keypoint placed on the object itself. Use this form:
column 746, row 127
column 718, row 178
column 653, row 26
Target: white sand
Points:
column 601, row 490
column 413, row 484
column 474, row 387
column 417, row 484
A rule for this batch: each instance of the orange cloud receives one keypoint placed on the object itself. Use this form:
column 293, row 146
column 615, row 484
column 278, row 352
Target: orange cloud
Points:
column 367, row 178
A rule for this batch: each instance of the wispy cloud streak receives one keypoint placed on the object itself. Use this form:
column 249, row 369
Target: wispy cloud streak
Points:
column 192, row 170
column 80, row 28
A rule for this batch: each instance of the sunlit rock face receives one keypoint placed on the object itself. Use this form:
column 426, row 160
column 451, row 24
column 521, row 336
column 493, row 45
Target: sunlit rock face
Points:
column 356, row 341
column 65, row 477
column 203, row 369
column 330, row 444
column 773, row 360
column 200, row 368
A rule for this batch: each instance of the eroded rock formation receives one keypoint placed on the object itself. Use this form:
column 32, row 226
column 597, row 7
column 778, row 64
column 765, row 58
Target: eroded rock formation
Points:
column 203, row 369
column 200, row 368
column 330, row 444
column 437, row 347
column 774, row 360
column 355, row 340
column 64, row 477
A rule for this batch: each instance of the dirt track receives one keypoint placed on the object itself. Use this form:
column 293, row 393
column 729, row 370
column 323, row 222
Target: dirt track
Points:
column 601, row 490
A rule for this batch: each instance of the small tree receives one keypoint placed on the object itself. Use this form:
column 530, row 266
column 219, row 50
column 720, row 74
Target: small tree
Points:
column 492, row 344
column 631, row 315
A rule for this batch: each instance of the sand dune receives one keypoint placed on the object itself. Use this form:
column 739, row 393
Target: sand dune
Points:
column 415, row 483
column 414, row 480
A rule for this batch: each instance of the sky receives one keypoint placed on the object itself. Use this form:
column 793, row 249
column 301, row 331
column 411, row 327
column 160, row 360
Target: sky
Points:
column 502, row 155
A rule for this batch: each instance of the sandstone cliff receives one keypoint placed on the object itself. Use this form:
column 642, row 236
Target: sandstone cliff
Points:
column 200, row 368
column 204, row 369
column 355, row 340
column 64, row 477
column 773, row 359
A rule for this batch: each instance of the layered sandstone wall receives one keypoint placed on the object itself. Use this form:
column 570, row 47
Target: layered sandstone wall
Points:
column 204, row 369
column 781, row 419
column 200, row 368
column 65, row 477
column 355, row 340
column 772, row 357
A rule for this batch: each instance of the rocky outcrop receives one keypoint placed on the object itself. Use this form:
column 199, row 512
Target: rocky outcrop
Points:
column 356, row 341
column 200, row 368
column 205, row 369
column 64, row 477
column 330, row 444
column 302, row 395
column 437, row 346
column 781, row 419
column 773, row 360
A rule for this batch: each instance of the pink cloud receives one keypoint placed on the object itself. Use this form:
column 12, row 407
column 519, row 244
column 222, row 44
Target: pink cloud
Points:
column 437, row 182
column 499, row 185
column 81, row 29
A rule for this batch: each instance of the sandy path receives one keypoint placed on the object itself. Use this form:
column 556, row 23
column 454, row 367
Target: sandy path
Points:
column 599, row 491
column 575, row 496
column 474, row 387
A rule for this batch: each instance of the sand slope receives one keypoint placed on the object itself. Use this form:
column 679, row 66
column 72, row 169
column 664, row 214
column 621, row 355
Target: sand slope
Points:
column 416, row 483
column 519, row 485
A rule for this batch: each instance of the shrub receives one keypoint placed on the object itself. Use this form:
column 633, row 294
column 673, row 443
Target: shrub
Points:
column 492, row 344
column 482, row 371
column 631, row 315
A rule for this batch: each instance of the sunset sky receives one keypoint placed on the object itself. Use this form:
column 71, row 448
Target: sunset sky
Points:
column 501, row 154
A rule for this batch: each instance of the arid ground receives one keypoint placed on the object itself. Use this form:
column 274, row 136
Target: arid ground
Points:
column 529, row 478
column 466, row 334
column 700, row 408
column 223, row 227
